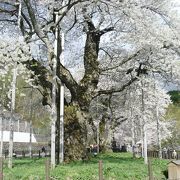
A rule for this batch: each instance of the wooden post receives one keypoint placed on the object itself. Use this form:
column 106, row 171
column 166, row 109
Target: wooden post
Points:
column 150, row 169
column 169, row 157
column 5, row 153
column 47, row 168
column 1, row 168
column 23, row 153
column 100, row 170
column 178, row 156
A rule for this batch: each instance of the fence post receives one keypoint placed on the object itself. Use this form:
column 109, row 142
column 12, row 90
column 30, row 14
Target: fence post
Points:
column 169, row 155
column 23, row 154
column 1, row 168
column 178, row 156
column 100, row 170
column 47, row 169
column 150, row 169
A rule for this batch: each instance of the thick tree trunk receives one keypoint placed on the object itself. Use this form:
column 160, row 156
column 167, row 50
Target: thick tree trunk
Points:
column 75, row 140
column 75, row 133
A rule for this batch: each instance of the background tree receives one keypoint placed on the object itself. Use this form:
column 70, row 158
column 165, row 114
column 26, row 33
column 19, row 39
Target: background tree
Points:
column 172, row 116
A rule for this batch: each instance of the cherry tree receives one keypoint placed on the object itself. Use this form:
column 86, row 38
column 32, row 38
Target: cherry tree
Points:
column 115, row 42
column 147, row 105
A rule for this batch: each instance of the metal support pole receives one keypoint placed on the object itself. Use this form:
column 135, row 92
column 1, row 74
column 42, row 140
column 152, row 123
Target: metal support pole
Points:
column 12, row 118
column 144, row 129
column 1, row 126
column 62, row 106
column 158, row 129
column 13, row 99
column 98, row 143
column 30, row 125
column 53, row 108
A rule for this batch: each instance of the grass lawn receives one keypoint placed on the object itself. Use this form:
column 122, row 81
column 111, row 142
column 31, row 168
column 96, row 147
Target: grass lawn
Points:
column 116, row 166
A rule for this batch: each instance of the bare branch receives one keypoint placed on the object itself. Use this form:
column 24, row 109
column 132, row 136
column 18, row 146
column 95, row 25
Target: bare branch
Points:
column 8, row 20
column 160, row 13
column 106, row 53
column 68, row 7
column 124, row 61
column 103, row 31
column 67, row 78
column 117, row 90
column 36, row 26
column 75, row 21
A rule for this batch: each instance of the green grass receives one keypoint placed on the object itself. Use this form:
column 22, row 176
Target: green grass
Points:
column 116, row 166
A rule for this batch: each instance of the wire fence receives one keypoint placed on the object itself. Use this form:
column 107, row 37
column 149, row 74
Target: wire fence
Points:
column 24, row 126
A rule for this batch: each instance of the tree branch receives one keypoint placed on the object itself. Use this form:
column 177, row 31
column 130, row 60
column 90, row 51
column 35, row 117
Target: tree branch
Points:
column 117, row 90
column 103, row 31
column 67, row 78
column 37, row 28
column 124, row 61
column 157, row 11
column 68, row 6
